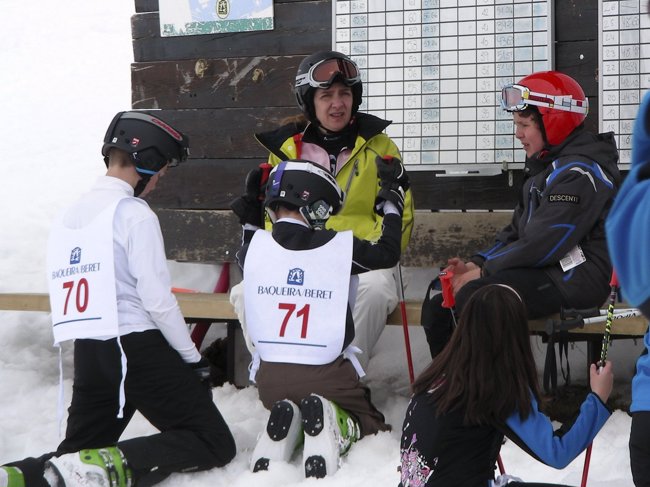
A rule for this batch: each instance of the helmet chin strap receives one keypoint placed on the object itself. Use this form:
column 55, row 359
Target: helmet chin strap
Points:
column 139, row 188
column 316, row 214
column 271, row 214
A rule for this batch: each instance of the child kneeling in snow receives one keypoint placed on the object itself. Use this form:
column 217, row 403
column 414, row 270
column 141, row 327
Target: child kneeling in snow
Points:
column 298, row 294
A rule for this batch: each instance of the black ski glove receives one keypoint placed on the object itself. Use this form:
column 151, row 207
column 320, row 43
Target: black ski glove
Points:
column 394, row 183
column 249, row 206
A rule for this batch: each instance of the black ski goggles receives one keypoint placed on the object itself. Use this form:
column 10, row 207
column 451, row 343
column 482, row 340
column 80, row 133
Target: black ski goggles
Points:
column 323, row 73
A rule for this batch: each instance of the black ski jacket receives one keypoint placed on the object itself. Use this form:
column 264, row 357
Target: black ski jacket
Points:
column 564, row 201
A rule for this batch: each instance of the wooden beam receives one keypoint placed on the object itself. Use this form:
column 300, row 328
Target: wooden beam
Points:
column 215, row 236
column 299, row 28
column 193, row 305
column 24, row 302
column 215, row 83
column 211, row 184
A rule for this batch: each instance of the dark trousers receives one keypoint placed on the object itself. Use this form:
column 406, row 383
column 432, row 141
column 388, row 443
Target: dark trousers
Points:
column 640, row 448
column 536, row 289
column 337, row 381
column 193, row 435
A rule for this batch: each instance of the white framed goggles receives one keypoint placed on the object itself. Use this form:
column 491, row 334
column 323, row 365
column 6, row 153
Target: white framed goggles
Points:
column 322, row 74
column 516, row 98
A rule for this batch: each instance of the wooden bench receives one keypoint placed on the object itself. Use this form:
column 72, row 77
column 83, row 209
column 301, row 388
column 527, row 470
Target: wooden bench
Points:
column 216, row 308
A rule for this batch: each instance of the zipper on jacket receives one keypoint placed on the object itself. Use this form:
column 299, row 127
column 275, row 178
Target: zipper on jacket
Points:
column 355, row 170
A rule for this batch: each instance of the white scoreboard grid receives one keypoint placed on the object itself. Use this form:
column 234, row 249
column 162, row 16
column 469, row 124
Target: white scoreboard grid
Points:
column 436, row 68
column 624, row 55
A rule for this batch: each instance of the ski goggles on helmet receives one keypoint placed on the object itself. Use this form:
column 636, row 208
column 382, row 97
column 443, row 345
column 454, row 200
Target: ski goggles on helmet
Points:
column 516, row 98
column 323, row 73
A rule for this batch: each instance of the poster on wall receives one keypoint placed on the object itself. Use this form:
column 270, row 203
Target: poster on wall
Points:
column 196, row 17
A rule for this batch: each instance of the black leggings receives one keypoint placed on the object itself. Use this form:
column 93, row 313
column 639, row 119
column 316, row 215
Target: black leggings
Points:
column 533, row 285
column 193, row 435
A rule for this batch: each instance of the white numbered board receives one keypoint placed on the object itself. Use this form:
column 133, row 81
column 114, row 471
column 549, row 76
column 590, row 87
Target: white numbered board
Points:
column 436, row 67
column 624, row 31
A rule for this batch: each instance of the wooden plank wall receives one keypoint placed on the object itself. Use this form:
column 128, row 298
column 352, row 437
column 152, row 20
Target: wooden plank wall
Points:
column 222, row 88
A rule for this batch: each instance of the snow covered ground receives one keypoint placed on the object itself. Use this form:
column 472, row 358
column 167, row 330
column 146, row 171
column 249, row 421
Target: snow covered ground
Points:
column 64, row 72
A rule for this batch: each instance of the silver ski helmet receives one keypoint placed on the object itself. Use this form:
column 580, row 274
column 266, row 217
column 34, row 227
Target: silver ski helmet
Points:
column 151, row 142
column 320, row 70
column 306, row 186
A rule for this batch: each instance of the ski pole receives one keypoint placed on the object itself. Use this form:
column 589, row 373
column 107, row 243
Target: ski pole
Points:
column 502, row 469
column 610, row 318
column 405, row 326
column 613, row 284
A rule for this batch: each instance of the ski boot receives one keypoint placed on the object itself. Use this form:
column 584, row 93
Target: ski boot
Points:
column 98, row 467
column 11, row 477
column 329, row 434
column 280, row 438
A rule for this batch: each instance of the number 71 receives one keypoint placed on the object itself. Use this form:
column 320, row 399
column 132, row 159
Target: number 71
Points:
column 303, row 312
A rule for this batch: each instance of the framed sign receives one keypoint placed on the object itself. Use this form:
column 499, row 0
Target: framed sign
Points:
column 195, row 17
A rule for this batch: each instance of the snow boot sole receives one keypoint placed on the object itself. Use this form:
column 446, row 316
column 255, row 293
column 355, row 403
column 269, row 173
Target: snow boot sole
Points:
column 281, row 436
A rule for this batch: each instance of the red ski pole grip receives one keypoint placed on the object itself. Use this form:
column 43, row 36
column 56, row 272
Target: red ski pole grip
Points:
column 448, row 299
column 266, row 170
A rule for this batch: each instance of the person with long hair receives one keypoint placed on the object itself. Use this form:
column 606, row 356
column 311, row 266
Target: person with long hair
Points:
column 481, row 387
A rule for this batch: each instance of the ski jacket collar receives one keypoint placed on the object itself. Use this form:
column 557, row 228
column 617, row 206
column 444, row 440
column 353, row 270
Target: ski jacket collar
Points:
column 600, row 148
column 367, row 126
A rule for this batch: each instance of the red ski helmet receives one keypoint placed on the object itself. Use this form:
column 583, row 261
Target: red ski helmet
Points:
column 559, row 99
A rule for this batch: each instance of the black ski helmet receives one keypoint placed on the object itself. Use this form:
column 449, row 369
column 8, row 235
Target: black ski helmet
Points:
column 348, row 73
column 307, row 186
column 151, row 142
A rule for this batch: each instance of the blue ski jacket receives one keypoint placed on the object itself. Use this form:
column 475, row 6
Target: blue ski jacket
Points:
column 628, row 233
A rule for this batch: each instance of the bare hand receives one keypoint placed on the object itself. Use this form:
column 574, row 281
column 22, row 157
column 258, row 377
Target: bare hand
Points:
column 602, row 380
column 471, row 272
column 458, row 266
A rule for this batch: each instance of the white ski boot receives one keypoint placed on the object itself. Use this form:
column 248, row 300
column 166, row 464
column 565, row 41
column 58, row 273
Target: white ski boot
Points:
column 329, row 434
column 11, row 477
column 100, row 467
column 280, row 438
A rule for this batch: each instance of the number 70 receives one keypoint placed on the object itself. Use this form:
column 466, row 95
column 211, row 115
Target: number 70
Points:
column 81, row 299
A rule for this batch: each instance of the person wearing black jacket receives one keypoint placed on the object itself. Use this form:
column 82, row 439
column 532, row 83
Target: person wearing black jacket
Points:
column 554, row 251
column 481, row 387
column 299, row 296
